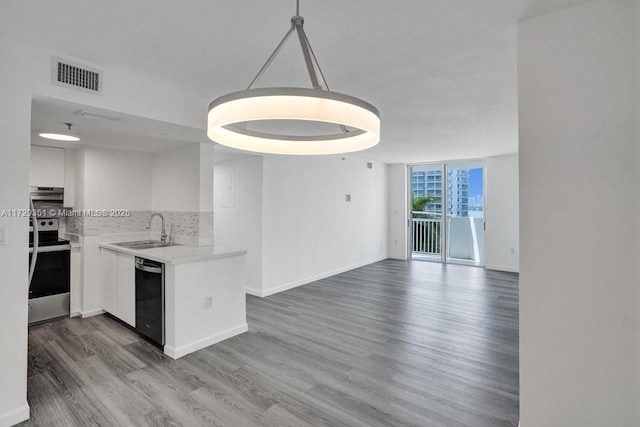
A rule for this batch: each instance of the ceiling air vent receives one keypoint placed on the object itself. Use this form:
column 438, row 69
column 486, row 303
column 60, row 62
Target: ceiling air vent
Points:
column 76, row 76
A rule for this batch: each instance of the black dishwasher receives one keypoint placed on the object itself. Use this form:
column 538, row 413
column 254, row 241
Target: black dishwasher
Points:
column 150, row 299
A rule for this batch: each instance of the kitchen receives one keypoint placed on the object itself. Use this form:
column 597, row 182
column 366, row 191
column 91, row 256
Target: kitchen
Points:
column 344, row 242
column 162, row 191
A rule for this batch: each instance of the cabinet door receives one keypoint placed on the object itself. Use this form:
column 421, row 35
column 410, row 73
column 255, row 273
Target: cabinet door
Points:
column 47, row 167
column 76, row 280
column 109, row 281
column 127, row 289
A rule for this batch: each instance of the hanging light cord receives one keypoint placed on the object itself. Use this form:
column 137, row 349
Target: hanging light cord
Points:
column 313, row 67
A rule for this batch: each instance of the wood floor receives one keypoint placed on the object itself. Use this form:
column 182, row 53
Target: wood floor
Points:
column 394, row 343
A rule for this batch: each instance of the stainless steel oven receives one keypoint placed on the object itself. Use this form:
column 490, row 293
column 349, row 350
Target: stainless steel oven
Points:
column 49, row 290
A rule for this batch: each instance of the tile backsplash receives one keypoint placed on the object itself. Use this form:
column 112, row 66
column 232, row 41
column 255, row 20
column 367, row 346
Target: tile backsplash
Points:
column 195, row 228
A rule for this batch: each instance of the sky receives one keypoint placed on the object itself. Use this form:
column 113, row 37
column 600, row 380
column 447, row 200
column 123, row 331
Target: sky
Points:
column 475, row 182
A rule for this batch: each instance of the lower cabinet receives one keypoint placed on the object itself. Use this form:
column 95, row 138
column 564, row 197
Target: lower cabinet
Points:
column 109, row 280
column 118, row 285
column 127, row 289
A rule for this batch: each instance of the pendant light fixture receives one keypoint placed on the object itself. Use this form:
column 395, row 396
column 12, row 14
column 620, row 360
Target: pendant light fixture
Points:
column 357, row 122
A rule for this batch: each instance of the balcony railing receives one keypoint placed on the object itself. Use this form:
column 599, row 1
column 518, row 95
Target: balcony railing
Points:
column 426, row 233
column 465, row 241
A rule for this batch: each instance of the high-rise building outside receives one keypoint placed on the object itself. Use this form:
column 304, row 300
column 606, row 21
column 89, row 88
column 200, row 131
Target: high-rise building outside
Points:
column 429, row 183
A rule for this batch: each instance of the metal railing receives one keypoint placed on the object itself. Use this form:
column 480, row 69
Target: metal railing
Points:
column 464, row 241
column 426, row 233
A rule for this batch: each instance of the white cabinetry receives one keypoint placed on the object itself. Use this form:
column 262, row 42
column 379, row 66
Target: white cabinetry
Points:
column 127, row 289
column 76, row 280
column 109, row 280
column 118, row 285
column 47, row 167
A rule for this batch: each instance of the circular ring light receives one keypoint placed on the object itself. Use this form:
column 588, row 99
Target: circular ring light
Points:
column 226, row 112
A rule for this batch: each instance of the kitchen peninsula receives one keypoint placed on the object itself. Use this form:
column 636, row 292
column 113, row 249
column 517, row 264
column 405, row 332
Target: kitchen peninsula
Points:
column 204, row 292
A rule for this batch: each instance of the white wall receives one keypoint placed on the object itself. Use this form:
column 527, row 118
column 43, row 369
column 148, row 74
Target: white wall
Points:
column 637, row 192
column 179, row 179
column 398, row 204
column 24, row 72
column 501, row 199
column 577, row 284
column 176, row 179
column 206, row 178
column 237, row 213
column 207, row 236
column 15, row 122
column 310, row 231
column 78, row 183
column 116, row 179
column 47, row 167
column 69, row 177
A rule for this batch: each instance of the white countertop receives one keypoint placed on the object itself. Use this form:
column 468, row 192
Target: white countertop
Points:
column 178, row 254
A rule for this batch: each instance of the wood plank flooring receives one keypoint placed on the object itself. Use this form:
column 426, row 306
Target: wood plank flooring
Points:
column 391, row 344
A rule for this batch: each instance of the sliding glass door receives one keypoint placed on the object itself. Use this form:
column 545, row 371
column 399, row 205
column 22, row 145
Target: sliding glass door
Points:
column 427, row 192
column 465, row 213
column 447, row 213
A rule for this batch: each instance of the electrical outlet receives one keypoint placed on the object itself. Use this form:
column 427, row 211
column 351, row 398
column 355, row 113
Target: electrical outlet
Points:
column 513, row 251
column 208, row 302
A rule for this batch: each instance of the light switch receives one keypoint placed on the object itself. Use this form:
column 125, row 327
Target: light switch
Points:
column 3, row 236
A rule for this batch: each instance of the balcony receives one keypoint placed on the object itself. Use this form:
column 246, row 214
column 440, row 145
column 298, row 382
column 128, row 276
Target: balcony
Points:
column 465, row 240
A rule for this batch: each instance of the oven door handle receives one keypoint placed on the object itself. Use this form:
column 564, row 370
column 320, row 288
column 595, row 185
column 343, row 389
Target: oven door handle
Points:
column 45, row 249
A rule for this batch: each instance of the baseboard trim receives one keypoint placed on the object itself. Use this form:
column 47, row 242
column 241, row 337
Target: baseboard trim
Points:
column 501, row 268
column 85, row 314
column 254, row 292
column 75, row 314
column 311, row 279
column 398, row 257
column 15, row 416
column 176, row 353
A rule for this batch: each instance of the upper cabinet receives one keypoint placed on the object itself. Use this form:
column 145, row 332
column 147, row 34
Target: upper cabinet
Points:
column 54, row 167
column 47, row 167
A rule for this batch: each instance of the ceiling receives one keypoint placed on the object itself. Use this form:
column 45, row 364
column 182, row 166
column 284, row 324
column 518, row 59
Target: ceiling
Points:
column 102, row 128
column 441, row 72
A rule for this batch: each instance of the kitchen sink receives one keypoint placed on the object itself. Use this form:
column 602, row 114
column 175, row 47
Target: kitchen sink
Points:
column 144, row 244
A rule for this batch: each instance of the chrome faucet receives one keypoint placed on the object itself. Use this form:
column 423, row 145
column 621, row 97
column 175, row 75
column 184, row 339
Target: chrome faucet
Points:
column 163, row 236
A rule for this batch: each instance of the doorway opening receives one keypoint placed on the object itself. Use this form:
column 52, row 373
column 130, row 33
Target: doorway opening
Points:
column 446, row 212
